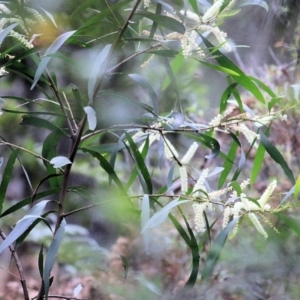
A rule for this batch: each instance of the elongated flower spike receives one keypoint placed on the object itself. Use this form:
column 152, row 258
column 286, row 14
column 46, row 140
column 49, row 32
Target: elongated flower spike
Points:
column 267, row 194
column 212, row 12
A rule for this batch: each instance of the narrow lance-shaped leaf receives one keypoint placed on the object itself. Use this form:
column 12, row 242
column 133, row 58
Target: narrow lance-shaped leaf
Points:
column 53, row 48
column 215, row 252
column 277, row 157
column 102, row 56
column 6, row 31
column 23, row 224
column 6, row 177
column 51, row 256
column 140, row 163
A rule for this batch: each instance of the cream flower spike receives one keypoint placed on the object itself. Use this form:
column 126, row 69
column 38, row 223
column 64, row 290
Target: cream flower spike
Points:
column 212, row 12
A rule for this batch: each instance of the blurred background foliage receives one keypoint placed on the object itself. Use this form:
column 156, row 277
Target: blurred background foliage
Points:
column 250, row 267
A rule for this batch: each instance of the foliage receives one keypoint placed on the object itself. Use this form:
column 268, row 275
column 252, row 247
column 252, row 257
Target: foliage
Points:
column 106, row 83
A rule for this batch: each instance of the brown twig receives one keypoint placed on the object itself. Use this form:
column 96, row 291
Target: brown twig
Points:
column 19, row 267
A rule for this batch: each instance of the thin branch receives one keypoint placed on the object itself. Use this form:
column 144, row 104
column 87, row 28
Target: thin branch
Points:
column 19, row 267
column 122, row 31
column 60, row 101
column 134, row 55
column 24, row 149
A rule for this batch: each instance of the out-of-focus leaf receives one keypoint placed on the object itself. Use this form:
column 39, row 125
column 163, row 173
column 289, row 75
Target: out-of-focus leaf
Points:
column 49, row 16
column 123, row 97
column 77, row 95
column 77, row 290
column 125, row 265
column 96, row 71
column 276, row 156
column 144, row 83
column 6, row 31
column 297, row 188
column 257, row 163
column 176, row 66
column 194, row 5
column 140, row 163
column 41, row 123
column 60, row 161
column 253, row 2
column 290, row 223
column 91, row 117
column 53, row 48
column 145, row 216
column 215, row 252
column 6, row 177
column 167, row 22
column 23, row 224
column 103, row 14
column 273, row 102
column 166, row 53
column 51, row 256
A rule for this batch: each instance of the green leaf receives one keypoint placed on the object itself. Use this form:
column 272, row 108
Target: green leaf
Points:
column 225, row 96
column 53, row 48
column 273, row 102
column 257, row 163
column 277, row 157
column 297, row 188
column 194, row 5
column 7, row 176
column 27, row 201
column 215, row 252
column 219, row 68
column 41, row 261
column 175, row 66
column 103, row 14
column 51, row 256
column 106, row 167
column 290, row 222
column 228, row 164
column 207, row 141
column 140, row 163
column 42, row 123
column 167, row 22
column 23, row 224
column 96, row 72
column 77, row 95
column 242, row 79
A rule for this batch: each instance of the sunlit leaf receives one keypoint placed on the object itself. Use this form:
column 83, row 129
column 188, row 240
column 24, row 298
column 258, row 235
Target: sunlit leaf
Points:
column 53, row 48
column 60, row 161
column 23, row 224
column 96, row 70
column 51, row 256
column 91, row 117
